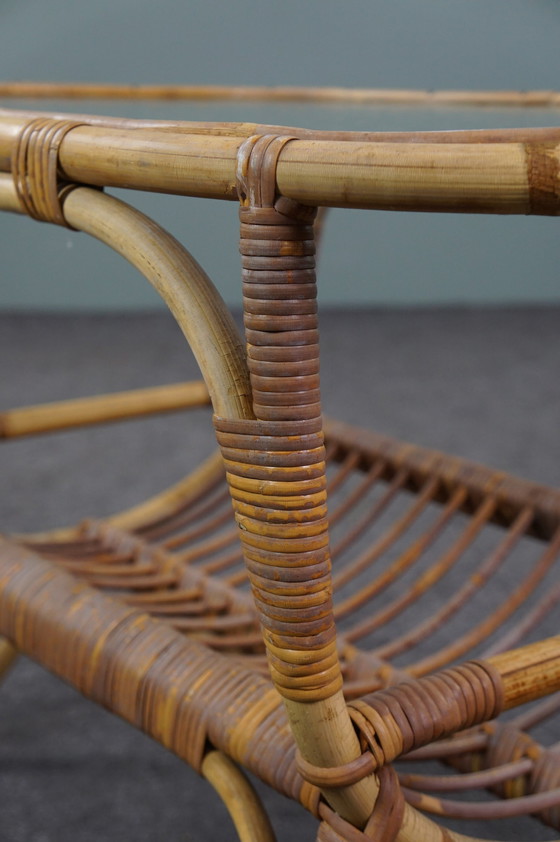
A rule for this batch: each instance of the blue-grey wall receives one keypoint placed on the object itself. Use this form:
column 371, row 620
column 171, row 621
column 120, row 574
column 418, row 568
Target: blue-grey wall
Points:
column 369, row 258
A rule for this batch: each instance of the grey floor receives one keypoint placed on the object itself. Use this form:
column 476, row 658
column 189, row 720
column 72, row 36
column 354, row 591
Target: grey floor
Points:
column 479, row 383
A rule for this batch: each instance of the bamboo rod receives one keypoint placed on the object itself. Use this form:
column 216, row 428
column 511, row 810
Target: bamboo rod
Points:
column 102, row 408
column 466, row 177
column 239, row 796
column 326, row 737
column 530, row 672
column 188, row 292
column 190, row 296
column 166, row 265
column 45, row 622
column 8, row 197
column 281, row 93
column 245, row 129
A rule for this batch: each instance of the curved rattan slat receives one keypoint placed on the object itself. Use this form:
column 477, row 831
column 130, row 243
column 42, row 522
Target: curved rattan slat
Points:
column 244, row 805
column 466, row 591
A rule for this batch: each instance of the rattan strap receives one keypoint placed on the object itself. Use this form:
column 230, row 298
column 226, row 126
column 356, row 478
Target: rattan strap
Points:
column 384, row 823
column 412, row 714
column 276, row 464
column 35, row 169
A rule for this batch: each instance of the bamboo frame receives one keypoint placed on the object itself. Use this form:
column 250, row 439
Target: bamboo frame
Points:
column 81, row 412
column 281, row 93
column 239, row 796
column 505, row 174
column 505, row 177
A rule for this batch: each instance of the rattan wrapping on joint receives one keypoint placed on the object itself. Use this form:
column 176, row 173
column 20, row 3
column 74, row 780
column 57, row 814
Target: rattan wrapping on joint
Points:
column 35, row 168
column 413, row 714
column 385, row 821
column 275, row 465
column 174, row 689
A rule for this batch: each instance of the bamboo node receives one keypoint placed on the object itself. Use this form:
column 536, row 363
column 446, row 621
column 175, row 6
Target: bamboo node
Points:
column 543, row 174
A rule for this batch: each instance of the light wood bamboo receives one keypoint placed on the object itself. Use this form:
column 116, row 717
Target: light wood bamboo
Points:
column 470, row 178
column 245, row 129
column 326, row 737
column 239, row 796
column 326, row 724
column 120, row 406
column 8, row 196
column 197, row 306
column 188, row 301
column 182, row 283
column 281, row 93
column 530, row 672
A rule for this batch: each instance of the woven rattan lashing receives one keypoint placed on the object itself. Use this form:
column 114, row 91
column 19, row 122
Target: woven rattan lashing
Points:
column 280, row 506
column 279, row 545
column 35, row 168
column 180, row 648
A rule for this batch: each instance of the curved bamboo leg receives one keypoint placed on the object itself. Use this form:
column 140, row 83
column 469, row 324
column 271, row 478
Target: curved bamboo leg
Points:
column 184, row 286
column 191, row 297
column 237, row 793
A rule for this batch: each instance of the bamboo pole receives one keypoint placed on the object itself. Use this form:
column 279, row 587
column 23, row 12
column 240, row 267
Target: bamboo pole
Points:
column 200, row 312
column 239, row 796
column 120, row 406
column 8, row 196
column 528, row 134
column 505, row 178
column 325, row 736
column 281, row 93
column 212, row 338
column 530, row 672
column 191, row 297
